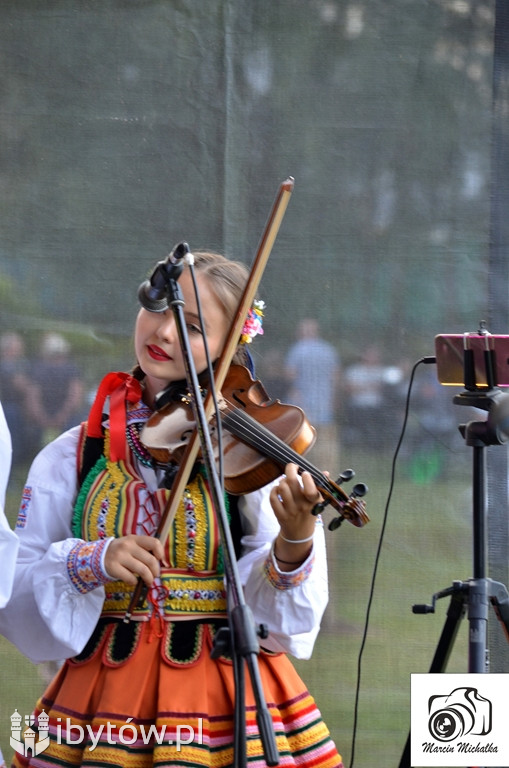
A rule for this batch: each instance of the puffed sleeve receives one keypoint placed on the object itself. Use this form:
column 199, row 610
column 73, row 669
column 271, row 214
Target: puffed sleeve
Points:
column 8, row 539
column 50, row 616
column 8, row 552
column 290, row 604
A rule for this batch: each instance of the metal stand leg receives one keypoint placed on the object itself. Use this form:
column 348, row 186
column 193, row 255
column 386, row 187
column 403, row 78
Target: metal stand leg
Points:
column 476, row 593
column 455, row 613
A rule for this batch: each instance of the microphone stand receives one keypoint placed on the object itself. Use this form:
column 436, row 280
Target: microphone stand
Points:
column 241, row 637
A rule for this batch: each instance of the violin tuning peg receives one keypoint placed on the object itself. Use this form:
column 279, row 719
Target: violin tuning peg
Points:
column 335, row 523
column 359, row 490
column 345, row 476
column 318, row 508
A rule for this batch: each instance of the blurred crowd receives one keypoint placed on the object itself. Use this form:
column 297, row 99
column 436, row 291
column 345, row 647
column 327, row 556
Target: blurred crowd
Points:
column 42, row 394
column 360, row 404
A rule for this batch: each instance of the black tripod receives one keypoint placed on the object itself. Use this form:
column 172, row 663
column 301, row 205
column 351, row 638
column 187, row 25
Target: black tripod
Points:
column 476, row 593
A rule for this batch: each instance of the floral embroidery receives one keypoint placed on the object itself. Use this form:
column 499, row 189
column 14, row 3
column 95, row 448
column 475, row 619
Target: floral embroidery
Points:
column 101, row 519
column 104, row 507
column 184, row 595
column 286, row 579
column 191, row 545
column 202, row 594
column 26, row 498
column 84, row 566
column 190, row 517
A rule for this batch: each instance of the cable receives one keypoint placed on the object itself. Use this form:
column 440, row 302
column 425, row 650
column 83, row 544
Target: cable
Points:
column 425, row 361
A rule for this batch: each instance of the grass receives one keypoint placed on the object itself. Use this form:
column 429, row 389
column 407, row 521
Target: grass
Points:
column 427, row 545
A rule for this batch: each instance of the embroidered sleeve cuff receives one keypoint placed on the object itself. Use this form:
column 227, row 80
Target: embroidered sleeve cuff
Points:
column 287, row 579
column 85, row 565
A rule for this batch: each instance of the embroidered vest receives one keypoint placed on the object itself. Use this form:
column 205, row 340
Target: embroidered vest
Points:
column 114, row 501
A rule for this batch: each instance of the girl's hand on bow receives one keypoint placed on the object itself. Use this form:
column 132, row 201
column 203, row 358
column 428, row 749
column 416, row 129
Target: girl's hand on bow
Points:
column 293, row 500
column 130, row 557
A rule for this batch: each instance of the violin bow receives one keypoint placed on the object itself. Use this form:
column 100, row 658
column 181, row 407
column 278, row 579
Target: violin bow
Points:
column 193, row 446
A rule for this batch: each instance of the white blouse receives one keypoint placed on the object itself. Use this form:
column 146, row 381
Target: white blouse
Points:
column 49, row 619
column 8, row 539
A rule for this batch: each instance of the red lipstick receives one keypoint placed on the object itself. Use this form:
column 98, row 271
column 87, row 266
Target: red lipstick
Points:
column 156, row 353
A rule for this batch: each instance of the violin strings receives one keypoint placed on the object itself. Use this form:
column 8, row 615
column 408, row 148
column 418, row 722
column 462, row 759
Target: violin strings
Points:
column 256, row 434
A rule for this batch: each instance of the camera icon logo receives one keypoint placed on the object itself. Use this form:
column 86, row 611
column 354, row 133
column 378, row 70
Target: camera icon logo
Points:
column 461, row 712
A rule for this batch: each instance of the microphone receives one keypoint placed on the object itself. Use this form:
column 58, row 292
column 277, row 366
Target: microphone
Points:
column 153, row 293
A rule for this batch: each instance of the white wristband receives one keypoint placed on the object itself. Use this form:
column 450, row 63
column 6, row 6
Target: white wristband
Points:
column 297, row 541
column 103, row 556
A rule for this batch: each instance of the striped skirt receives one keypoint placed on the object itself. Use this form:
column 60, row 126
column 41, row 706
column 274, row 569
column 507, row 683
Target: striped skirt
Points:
column 150, row 710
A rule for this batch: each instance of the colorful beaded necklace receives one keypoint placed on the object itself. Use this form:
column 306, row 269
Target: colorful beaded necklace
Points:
column 137, row 447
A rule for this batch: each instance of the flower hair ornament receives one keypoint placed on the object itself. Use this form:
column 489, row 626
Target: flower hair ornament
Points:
column 253, row 324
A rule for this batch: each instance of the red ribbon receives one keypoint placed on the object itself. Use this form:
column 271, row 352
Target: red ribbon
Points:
column 122, row 388
column 156, row 621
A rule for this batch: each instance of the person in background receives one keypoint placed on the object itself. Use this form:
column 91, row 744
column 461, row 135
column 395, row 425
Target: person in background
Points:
column 85, row 542
column 19, row 398
column 371, row 391
column 60, row 387
column 8, row 539
column 272, row 375
column 313, row 372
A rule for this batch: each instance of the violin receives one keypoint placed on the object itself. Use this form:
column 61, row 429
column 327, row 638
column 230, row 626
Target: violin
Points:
column 259, row 437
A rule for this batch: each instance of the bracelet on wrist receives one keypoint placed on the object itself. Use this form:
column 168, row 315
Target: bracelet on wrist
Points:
column 297, row 541
column 288, row 562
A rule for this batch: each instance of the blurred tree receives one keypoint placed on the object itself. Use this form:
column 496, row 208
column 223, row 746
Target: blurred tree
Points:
column 178, row 121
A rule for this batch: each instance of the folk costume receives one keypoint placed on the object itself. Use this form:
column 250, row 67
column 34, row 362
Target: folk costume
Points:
column 147, row 692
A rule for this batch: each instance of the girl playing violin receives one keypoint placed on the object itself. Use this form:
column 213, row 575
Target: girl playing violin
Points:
column 91, row 505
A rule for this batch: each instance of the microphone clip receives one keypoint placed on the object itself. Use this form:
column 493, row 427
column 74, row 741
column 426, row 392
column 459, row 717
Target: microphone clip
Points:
column 153, row 293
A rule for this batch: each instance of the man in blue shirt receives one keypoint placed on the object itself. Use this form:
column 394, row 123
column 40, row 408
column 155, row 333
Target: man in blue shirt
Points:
column 313, row 371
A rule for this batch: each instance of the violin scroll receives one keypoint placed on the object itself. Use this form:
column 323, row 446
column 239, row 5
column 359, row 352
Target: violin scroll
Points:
column 351, row 508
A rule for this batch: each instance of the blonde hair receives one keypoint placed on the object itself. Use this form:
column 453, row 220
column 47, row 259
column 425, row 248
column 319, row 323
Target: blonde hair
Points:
column 226, row 278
